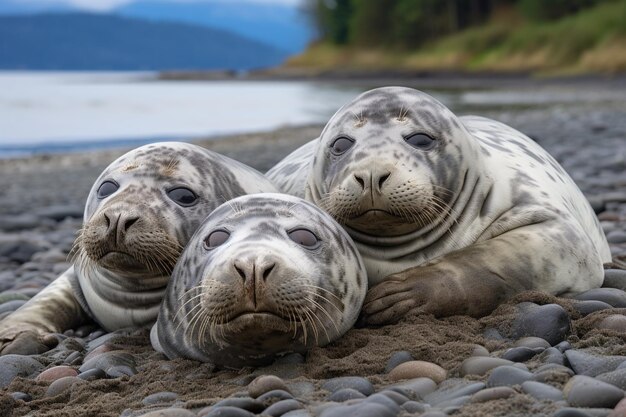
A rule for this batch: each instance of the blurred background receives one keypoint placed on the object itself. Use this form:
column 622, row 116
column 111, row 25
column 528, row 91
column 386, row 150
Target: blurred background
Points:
column 82, row 74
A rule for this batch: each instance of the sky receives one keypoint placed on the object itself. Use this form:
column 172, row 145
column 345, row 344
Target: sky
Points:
column 108, row 5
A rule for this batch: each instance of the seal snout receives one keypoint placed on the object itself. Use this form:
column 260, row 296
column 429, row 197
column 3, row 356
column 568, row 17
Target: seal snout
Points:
column 372, row 180
column 119, row 223
column 255, row 273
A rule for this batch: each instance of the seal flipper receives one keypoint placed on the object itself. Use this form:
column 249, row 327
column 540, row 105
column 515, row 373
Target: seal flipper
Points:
column 54, row 310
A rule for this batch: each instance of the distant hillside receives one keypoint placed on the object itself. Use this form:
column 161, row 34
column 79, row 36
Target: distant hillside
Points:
column 80, row 41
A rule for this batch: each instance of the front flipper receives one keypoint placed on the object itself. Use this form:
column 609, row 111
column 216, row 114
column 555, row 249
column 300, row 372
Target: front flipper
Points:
column 551, row 257
column 54, row 310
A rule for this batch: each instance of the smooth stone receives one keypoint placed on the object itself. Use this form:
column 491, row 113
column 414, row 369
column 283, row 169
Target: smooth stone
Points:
column 615, row 278
column 415, row 407
column 114, row 364
column 160, row 398
column 21, row 396
column 615, row 322
column 616, row 377
column 492, row 334
column 359, row 410
column 418, row 388
column 98, row 351
column 345, row 394
column 62, row 384
column 590, row 306
column 398, row 358
column 454, row 403
column 521, row 353
column 453, row 388
column 52, row 374
column 274, row 396
column 434, row 413
column 395, row 396
column 585, row 391
column 92, row 374
column 360, row 384
column 19, row 251
column 73, row 358
column 245, row 403
column 489, row 394
column 570, row 412
column 290, row 359
column 563, row 346
column 226, row 412
column 619, row 410
column 298, row 413
column 12, row 296
column 11, row 306
column 480, row 365
column 479, row 351
column 59, row 213
column 541, row 391
column 418, row 369
column 612, row 296
column 552, row 355
column 532, row 342
column 181, row 412
column 616, row 236
column 508, row 376
column 282, row 407
column 12, row 366
column 591, row 365
column 301, row 388
column 550, row 322
column 265, row 383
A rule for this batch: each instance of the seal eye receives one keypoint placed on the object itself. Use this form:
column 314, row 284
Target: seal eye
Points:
column 216, row 238
column 107, row 188
column 183, row 196
column 340, row 145
column 420, row 141
column 304, row 238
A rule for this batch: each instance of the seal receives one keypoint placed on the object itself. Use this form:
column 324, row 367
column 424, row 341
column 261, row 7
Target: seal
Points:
column 452, row 215
column 139, row 215
column 263, row 276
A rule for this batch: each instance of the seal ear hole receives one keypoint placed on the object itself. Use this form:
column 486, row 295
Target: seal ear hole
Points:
column 420, row 141
column 183, row 196
column 341, row 145
column 107, row 188
column 216, row 238
column 304, row 237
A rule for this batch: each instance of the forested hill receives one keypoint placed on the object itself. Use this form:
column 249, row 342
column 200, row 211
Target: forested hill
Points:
column 508, row 35
column 79, row 41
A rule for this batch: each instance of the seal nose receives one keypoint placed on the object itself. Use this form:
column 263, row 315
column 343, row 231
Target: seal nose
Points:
column 119, row 223
column 254, row 275
column 373, row 180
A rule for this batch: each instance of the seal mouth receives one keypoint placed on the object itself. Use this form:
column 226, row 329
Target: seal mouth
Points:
column 119, row 259
column 246, row 316
column 374, row 213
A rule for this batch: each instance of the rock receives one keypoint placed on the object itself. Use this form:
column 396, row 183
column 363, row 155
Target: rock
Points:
column 616, row 236
column 453, row 388
column 541, row 391
column 357, row 383
column 570, row 412
column 418, row 369
column 590, row 306
column 585, row 391
column 532, row 342
column 98, row 351
column 395, row 396
column 480, row 365
column 345, row 394
column 301, row 388
column 563, row 346
column 508, row 376
column 550, row 322
column 479, row 351
column 553, row 355
column 616, row 377
column 521, row 353
column 59, row 213
column 383, row 400
column 273, row 396
column 18, row 222
column 615, row 278
column 612, row 296
column 164, row 397
column 591, row 365
column 114, row 364
column 174, row 412
column 415, row 407
column 245, row 403
column 489, row 394
column 12, row 366
column 282, row 407
column 620, row 409
column 266, row 383
column 11, row 306
column 52, row 374
column 92, row 374
column 396, row 359
column 614, row 322
column 19, row 251
column 416, row 388
column 62, row 384
column 358, row 410
column 21, row 396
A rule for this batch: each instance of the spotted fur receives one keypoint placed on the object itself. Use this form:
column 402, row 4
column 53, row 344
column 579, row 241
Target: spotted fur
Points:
column 131, row 239
column 482, row 215
column 300, row 296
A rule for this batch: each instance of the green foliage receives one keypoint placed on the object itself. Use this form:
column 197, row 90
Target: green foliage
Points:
column 543, row 10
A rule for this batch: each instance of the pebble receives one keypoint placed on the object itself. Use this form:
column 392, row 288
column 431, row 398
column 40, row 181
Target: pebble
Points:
column 54, row 373
column 563, row 346
column 620, row 409
column 615, row 322
column 479, row 351
column 616, row 236
column 541, row 391
column 521, row 353
column 480, row 365
column 550, row 322
column 615, row 278
column 570, row 412
column 11, row 306
column 345, row 394
column 160, row 398
column 282, row 407
column 395, row 396
column 418, row 388
column 357, row 383
column 12, row 366
column 415, row 407
column 62, row 384
column 453, row 388
column 585, row 391
column 398, row 358
column 114, row 364
column 172, row 412
column 245, row 403
column 508, row 376
column 532, row 342
column 92, row 374
column 434, row 413
column 553, row 355
column 274, row 396
column 591, row 365
column 21, row 396
column 590, row 306
column 384, row 401
column 612, row 296
column 489, row 394
column 265, row 383
column 359, row 410
column 418, row 369
column 616, row 377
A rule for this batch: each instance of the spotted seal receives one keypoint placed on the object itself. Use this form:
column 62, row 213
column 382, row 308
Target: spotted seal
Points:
column 264, row 275
column 140, row 213
column 452, row 215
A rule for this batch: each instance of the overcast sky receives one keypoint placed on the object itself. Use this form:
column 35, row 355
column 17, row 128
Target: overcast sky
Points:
column 104, row 5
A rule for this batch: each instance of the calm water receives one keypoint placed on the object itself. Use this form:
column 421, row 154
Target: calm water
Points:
column 65, row 111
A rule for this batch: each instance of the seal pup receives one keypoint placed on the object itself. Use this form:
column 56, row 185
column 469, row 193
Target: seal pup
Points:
column 140, row 213
column 452, row 215
column 263, row 276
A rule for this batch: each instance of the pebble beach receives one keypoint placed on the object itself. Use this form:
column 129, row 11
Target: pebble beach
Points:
column 536, row 355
